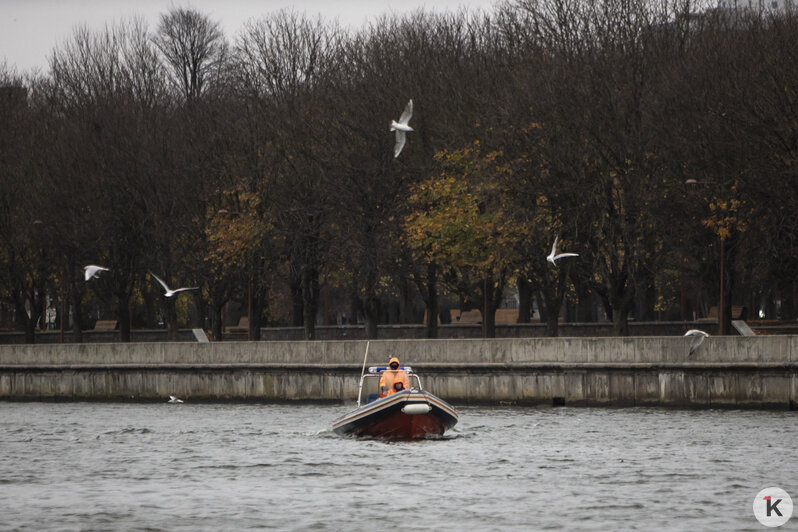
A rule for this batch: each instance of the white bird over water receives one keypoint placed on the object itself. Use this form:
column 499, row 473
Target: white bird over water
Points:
column 169, row 292
column 173, row 399
column 552, row 257
column 92, row 269
column 401, row 128
column 698, row 338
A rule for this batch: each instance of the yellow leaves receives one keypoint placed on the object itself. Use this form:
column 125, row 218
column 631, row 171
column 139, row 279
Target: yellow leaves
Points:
column 233, row 233
column 459, row 216
column 726, row 217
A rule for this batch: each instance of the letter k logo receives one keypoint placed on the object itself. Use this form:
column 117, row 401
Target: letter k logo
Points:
column 772, row 507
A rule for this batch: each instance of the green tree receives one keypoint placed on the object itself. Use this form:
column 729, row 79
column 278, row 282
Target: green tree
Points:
column 460, row 223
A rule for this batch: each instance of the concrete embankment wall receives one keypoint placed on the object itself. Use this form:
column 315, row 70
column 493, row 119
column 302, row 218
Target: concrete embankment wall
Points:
column 725, row 371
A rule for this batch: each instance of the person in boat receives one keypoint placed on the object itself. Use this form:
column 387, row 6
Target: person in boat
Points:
column 391, row 376
column 398, row 386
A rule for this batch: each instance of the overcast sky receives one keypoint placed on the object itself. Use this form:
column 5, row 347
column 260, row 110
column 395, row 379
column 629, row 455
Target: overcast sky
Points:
column 30, row 29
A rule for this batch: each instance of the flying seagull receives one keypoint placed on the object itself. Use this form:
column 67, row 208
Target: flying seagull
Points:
column 92, row 269
column 169, row 292
column 173, row 399
column 698, row 338
column 552, row 257
column 401, row 128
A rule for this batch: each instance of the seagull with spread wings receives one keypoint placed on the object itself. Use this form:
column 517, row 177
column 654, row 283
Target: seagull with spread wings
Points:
column 92, row 269
column 553, row 257
column 698, row 338
column 169, row 292
column 401, row 128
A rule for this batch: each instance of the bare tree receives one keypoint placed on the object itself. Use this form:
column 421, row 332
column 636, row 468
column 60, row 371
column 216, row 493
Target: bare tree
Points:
column 194, row 48
column 108, row 85
column 26, row 251
column 285, row 63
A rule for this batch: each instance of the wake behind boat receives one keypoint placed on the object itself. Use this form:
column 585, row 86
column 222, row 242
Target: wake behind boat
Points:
column 407, row 414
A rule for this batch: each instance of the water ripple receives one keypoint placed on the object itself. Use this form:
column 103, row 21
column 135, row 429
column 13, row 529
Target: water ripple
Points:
column 79, row 466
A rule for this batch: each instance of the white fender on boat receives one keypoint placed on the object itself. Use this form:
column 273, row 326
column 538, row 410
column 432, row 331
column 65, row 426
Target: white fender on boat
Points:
column 417, row 408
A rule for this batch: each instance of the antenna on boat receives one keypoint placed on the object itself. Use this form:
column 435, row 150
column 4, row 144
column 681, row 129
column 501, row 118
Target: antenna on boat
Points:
column 362, row 372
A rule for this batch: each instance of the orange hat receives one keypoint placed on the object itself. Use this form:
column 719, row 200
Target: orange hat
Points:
column 393, row 359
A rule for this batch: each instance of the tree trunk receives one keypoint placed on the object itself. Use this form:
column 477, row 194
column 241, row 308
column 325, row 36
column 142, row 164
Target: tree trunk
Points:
column 30, row 332
column 584, row 307
column 728, row 289
column 76, row 301
column 488, row 309
column 297, row 312
column 787, row 293
column 37, row 304
column 25, row 322
column 405, row 301
column 553, row 304
column 433, row 308
column 310, row 301
column 259, row 302
column 371, row 304
column 200, row 312
column 727, row 247
column 605, row 302
column 524, row 301
column 490, row 322
column 151, row 306
column 171, row 318
column 123, row 313
column 371, row 308
column 620, row 321
column 621, row 300
column 217, row 328
column 552, row 295
column 649, row 302
column 538, row 295
column 552, row 323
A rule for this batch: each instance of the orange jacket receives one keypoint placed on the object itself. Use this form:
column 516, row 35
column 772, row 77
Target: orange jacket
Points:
column 389, row 377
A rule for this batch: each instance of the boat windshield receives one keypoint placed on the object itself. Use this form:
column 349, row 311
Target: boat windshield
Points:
column 370, row 382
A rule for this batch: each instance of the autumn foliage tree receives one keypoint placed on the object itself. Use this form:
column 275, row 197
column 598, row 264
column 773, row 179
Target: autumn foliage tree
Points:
column 459, row 222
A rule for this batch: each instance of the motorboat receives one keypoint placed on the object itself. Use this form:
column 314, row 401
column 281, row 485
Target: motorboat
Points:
column 407, row 414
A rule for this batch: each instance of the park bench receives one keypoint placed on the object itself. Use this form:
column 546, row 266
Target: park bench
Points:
column 243, row 325
column 736, row 313
column 105, row 325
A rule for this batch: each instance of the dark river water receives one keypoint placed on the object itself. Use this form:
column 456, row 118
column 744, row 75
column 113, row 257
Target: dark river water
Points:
column 99, row 466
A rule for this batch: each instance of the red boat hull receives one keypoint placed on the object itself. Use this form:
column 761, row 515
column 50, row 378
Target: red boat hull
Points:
column 403, row 426
column 385, row 418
